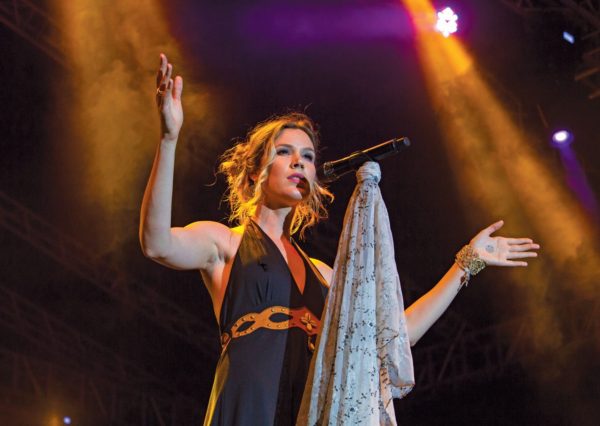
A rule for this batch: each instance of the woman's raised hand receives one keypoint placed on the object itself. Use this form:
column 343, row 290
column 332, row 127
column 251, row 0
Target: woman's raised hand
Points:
column 168, row 99
column 501, row 251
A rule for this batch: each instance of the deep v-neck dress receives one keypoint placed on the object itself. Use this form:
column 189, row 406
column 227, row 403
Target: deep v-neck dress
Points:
column 261, row 373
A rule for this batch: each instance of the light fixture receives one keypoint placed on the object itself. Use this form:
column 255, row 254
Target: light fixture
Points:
column 447, row 22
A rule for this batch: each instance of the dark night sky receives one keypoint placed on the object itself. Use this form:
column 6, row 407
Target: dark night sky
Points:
column 361, row 90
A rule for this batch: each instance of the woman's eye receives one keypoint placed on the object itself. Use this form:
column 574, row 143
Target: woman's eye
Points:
column 282, row 151
column 309, row 157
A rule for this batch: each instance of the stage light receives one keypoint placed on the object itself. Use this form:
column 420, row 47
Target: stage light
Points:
column 562, row 137
column 67, row 420
column 447, row 22
column 568, row 37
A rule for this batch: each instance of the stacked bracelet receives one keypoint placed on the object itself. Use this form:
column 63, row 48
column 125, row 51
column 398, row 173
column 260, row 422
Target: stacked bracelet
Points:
column 468, row 260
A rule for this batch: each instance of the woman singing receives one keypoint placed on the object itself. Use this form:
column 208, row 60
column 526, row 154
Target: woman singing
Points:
column 267, row 294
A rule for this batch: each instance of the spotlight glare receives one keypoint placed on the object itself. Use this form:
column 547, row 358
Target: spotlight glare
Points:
column 562, row 137
column 67, row 420
column 447, row 22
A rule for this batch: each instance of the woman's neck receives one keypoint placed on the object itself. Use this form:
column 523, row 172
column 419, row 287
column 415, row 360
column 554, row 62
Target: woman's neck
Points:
column 275, row 222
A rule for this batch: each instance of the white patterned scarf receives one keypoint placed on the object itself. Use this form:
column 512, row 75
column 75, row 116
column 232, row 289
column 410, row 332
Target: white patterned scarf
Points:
column 363, row 358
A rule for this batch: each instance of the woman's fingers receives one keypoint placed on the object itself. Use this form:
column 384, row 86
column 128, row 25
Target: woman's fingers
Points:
column 164, row 73
column 521, row 255
column 169, row 72
column 164, row 95
column 178, row 85
column 515, row 263
column 519, row 240
column 162, row 70
column 169, row 93
column 492, row 228
column 165, row 83
column 523, row 247
column 163, row 63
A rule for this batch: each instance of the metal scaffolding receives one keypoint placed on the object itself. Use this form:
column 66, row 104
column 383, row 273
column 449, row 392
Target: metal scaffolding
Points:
column 33, row 24
column 66, row 347
column 31, row 386
column 90, row 375
column 44, row 333
column 584, row 15
column 78, row 259
column 488, row 352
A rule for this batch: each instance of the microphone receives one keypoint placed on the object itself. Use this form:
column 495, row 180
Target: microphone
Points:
column 332, row 170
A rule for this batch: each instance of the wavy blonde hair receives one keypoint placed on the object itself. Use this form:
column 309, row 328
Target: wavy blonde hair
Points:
column 253, row 156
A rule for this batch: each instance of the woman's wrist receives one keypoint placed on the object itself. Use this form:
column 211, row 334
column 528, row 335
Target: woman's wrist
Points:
column 469, row 261
column 168, row 140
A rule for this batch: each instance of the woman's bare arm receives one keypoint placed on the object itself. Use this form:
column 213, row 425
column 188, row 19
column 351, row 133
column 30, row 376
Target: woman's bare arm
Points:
column 197, row 245
column 423, row 313
column 497, row 251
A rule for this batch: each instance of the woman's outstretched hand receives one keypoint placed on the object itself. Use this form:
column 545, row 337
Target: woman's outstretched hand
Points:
column 168, row 99
column 501, row 251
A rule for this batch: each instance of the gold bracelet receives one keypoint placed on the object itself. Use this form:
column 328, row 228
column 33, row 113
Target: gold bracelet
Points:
column 468, row 260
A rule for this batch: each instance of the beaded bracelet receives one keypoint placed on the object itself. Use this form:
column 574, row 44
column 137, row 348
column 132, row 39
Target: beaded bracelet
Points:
column 468, row 260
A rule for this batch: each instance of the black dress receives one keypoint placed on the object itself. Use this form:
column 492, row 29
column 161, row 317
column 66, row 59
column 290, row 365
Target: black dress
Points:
column 262, row 370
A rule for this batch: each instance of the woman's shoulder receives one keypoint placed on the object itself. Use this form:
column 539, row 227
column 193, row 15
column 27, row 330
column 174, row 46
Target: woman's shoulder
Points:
column 216, row 228
column 205, row 228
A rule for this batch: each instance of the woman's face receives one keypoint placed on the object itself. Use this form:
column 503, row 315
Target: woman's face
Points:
column 292, row 171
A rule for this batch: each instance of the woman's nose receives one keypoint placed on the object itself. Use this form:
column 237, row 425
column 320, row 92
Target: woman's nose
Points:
column 297, row 162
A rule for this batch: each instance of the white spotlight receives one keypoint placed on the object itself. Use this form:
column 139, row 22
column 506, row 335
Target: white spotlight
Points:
column 562, row 137
column 447, row 22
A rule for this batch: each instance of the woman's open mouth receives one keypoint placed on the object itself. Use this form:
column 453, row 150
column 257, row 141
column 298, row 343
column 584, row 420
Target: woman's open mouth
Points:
column 296, row 178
